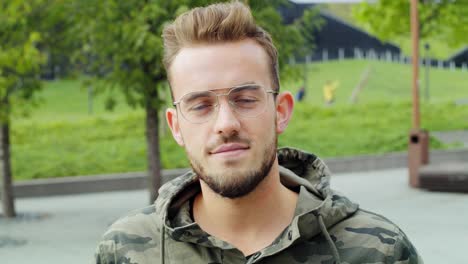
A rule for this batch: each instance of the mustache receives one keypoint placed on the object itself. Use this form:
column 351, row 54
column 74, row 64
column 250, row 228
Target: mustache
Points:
column 234, row 138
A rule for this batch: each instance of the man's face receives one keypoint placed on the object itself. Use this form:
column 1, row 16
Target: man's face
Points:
column 229, row 152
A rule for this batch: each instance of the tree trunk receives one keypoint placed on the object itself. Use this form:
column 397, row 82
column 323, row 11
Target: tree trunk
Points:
column 5, row 167
column 152, row 138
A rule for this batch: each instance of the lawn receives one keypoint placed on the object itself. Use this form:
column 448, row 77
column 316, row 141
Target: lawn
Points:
column 60, row 138
column 67, row 100
column 387, row 82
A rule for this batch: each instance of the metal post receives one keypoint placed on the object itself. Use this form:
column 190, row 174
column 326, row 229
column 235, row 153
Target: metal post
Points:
column 427, row 47
column 306, row 66
column 90, row 100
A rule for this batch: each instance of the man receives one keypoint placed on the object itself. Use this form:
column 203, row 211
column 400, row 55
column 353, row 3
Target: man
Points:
column 243, row 202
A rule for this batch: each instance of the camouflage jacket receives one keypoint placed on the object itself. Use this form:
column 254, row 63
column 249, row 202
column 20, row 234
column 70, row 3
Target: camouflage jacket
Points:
column 327, row 227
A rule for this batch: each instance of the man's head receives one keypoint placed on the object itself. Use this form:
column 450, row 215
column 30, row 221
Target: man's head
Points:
column 223, row 74
column 217, row 23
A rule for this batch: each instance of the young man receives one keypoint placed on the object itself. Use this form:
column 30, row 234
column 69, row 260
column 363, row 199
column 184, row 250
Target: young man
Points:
column 244, row 201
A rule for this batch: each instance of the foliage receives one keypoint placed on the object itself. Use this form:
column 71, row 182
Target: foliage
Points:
column 124, row 43
column 20, row 59
column 309, row 24
column 443, row 19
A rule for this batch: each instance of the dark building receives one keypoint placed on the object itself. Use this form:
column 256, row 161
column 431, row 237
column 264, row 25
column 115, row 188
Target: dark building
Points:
column 338, row 38
column 460, row 58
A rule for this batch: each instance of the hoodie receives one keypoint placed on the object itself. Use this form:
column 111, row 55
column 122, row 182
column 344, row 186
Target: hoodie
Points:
column 326, row 228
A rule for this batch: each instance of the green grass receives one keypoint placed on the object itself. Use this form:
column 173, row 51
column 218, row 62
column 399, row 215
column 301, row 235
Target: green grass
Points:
column 387, row 82
column 366, row 129
column 61, row 139
column 439, row 48
column 67, row 100
column 106, row 145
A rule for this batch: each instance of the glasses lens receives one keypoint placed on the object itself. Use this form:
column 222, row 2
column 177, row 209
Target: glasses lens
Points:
column 249, row 101
column 198, row 107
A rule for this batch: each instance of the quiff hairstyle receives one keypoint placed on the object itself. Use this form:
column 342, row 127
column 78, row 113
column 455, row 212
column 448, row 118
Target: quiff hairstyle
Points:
column 217, row 23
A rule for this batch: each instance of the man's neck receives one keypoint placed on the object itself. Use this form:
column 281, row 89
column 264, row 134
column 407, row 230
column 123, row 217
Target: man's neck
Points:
column 252, row 222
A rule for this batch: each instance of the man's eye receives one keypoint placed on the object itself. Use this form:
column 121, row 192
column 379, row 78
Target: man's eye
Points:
column 200, row 107
column 245, row 100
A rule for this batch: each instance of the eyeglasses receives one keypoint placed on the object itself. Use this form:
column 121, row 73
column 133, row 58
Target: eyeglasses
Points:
column 247, row 100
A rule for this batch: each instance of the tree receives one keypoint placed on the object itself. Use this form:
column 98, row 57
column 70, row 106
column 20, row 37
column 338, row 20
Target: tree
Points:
column 444, row 19
column 55, row 22
column 20, row 62
column 124, row 40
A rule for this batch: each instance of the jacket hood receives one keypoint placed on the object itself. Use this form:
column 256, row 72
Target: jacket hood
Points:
column 299, row 170
column 325, row 225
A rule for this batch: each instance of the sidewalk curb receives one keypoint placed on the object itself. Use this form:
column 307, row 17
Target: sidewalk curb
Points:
column 138, row 180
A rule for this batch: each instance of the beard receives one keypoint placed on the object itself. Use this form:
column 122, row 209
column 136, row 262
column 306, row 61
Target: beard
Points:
column 237, row 182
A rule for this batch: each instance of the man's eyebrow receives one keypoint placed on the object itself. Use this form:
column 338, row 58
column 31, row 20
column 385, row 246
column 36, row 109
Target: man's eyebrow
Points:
column 192, row 96
column 246, row 85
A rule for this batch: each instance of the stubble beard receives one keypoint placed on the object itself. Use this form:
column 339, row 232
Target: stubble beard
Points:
column 237, row 182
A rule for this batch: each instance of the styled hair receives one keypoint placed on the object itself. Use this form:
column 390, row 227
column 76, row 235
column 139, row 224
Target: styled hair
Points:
column 217, row 23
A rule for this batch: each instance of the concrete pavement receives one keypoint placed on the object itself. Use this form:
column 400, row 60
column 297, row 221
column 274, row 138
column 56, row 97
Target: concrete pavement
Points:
column 66, row 229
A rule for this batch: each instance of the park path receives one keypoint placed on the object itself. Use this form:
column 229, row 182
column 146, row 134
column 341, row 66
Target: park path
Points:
column 449, row 137
column 66, row 229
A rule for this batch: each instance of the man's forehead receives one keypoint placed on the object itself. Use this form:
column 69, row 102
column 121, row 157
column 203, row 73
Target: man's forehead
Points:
column 218, row 66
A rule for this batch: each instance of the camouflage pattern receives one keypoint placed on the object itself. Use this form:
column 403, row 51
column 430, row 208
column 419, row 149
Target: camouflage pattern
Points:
column 327, row 227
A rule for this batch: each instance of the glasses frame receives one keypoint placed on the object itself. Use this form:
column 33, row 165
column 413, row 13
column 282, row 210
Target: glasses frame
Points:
column 176, row 103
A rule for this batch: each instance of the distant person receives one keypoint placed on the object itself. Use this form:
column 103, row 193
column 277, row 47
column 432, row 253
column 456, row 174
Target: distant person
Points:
column 244, row 201
column 329, row 91
column 300, row 94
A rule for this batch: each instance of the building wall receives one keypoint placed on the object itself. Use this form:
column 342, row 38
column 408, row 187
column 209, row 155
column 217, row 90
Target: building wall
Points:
column 337, row 35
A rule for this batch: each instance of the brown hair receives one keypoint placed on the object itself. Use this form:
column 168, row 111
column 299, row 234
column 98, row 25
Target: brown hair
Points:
column 222, row 22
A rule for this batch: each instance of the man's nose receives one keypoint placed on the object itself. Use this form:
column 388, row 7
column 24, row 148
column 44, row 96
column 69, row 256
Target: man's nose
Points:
column 226, row 120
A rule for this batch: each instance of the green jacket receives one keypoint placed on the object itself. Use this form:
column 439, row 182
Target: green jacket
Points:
column 327, row 227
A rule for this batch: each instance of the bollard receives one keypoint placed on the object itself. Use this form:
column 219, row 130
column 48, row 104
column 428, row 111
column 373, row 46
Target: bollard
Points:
column 418, row 154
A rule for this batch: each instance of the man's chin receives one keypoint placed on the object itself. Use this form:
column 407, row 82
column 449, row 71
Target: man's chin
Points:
column 231, row 188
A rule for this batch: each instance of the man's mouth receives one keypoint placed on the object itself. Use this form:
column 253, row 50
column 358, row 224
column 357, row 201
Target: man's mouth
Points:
column 229, row 148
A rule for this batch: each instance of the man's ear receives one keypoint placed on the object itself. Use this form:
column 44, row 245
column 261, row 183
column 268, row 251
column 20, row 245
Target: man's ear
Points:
column 173, row 122
column 284, row 109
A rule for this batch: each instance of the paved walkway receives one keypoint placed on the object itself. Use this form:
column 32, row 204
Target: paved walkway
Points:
column 452, row 137
column 65, row 229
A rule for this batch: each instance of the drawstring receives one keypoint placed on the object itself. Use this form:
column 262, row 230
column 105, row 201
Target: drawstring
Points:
column 323, row 228
column 161, row 243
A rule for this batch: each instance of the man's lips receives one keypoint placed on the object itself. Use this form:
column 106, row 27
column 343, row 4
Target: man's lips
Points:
column 228, row 148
